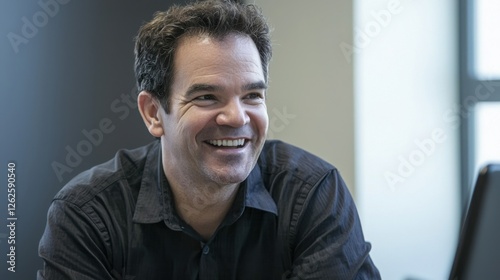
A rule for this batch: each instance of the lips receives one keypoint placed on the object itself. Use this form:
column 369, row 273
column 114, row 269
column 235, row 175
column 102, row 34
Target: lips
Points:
column 231, row 143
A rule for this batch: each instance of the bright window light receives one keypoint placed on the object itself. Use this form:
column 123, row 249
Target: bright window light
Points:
column 487, row 39
column 487, row 133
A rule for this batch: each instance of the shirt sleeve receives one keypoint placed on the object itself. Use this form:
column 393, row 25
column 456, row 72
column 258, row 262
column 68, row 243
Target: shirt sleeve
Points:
column 72, row 246
column 329, row 242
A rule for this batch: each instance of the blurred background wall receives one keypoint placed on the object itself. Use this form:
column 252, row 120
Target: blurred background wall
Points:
column 367, row 85
column 310, row 99
column 67, row 103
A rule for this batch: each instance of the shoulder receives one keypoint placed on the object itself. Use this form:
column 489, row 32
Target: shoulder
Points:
column 278, row 157
column 125, row 167
column 304, row 187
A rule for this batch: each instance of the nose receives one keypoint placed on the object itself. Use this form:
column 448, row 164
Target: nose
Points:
column 233, row 114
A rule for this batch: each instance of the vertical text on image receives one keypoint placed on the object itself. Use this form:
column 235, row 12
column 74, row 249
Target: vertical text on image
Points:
column 11, row 218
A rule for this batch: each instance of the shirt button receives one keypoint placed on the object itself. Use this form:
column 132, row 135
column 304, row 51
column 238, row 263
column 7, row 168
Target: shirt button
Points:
column 206, row 249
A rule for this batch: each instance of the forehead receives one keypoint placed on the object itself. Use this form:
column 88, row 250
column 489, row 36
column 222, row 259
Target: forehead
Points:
column 205, row 55
column 238, row 43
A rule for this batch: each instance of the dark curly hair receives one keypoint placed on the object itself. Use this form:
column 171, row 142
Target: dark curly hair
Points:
column 157, row 40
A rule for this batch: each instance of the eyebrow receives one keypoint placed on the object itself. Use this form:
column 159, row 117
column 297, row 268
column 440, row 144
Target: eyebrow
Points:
column 260, row 85
column 254, row 86
column 201, row 87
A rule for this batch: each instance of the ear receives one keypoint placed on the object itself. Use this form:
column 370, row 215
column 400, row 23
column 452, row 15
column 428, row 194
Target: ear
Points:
column 150, row 107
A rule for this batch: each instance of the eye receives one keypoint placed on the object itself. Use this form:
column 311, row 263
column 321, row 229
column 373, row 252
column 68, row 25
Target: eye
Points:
column 255, row 97
column 205, row 97
column 204, row 100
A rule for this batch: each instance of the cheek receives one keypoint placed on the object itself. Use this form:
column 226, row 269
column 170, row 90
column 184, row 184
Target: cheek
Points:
column 193, row 124
column 260, row 120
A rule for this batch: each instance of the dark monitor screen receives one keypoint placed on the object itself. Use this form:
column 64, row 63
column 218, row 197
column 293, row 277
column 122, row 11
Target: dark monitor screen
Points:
column 478, row 251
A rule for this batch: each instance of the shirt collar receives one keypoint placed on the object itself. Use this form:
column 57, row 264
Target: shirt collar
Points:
column 256, row 194
column 155, row 200
column 149, row 206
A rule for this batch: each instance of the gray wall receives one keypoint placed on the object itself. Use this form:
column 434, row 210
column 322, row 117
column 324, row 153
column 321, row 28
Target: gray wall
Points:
column 66, row 72
column 311, row 94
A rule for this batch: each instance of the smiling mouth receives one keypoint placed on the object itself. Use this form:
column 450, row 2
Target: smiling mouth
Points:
column 230, row 143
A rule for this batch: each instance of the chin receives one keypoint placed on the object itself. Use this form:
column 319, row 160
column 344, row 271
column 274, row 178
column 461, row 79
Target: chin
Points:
column 229, row 177
column 228, row 180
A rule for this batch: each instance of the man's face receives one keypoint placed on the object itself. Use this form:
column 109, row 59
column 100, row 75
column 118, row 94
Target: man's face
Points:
column 218, row 119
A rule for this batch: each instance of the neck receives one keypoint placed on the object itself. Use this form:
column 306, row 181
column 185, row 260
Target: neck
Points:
column 203, row 207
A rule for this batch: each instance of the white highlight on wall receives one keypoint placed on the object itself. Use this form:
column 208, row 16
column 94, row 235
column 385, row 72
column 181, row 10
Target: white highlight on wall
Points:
column 405, row 83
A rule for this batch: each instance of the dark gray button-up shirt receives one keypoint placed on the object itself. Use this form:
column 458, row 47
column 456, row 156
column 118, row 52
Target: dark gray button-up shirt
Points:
column 293, row 218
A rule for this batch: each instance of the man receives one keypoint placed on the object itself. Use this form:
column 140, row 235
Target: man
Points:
column 210, row 198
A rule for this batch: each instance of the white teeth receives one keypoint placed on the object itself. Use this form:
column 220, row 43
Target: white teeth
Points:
column 227, row 143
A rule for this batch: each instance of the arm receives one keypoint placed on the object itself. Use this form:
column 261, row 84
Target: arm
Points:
column 329, row 239
column 72, row 246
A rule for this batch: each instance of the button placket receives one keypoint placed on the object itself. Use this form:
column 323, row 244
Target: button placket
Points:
column 206, row 249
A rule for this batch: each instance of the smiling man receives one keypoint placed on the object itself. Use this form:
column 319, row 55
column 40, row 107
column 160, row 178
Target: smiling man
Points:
column 216, row 126
column 210, row 198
